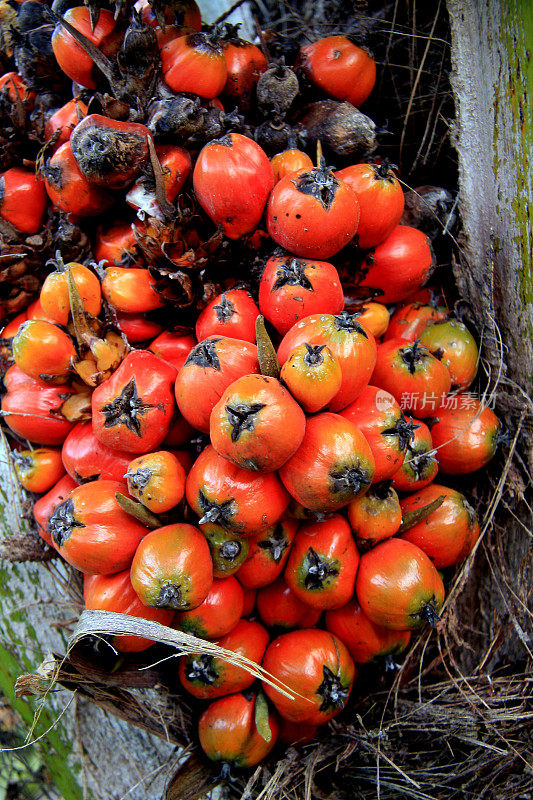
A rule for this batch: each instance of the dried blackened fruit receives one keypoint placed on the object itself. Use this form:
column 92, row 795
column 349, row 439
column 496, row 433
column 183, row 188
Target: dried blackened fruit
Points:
column 340, row 127
column 277, row 89
column 36, row 62
column 109, row 153
column 178, row 116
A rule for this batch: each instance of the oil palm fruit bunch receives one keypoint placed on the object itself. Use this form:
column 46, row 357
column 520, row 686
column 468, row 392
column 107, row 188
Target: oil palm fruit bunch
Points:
column 228, row 387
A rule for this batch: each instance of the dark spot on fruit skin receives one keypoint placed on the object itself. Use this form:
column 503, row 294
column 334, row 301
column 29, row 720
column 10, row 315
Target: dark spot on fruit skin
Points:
column 298, row 216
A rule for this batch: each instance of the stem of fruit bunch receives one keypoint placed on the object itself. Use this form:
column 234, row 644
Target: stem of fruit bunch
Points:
column 266, row 353
column 138, row 511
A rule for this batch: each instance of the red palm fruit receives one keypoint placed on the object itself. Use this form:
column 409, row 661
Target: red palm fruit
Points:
column 217, row 614
column 318, row 667
column 228, row 731
column 288, row 162
column 92, row 532
column 278, row 607
column 34, row 311
column 86, row 459
column 9, row 330
column 267, row 555
column 232, row 180
column 117, row 245
column 453, row 344
column 375, row 318
column 420, row 465
column 38, row 470
column 313, row 376
column 245, row 63
column 22, row 199
column 54, row 295
column 418, row 380
column 333, row 464
column 450, row 532
column 409, row 320
column 380, row 419
column 209, row 369
column 194, row 63
column 45, row 506
column 65, row 120
column 381, row 200
column 136, row 328
column 157, row 480
column 398, row 587
column 43, row 351
column 375, row 516
column 14, row 86
column 115, row 593
column 340, row 68
column 293, row 288
column 365, row 640
column 174, row 345
column 207, row 676
column 130, row 290
column 68, row 188
column 172, row 568
column 312, row 214
column 232, row 314
column 73, row 60
column 465, row 434
column 257, row 424
column 351, row 344
column 132, row 410
column 238, row 500
column 322, row 564
column 32, row 408
column 399, row 265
